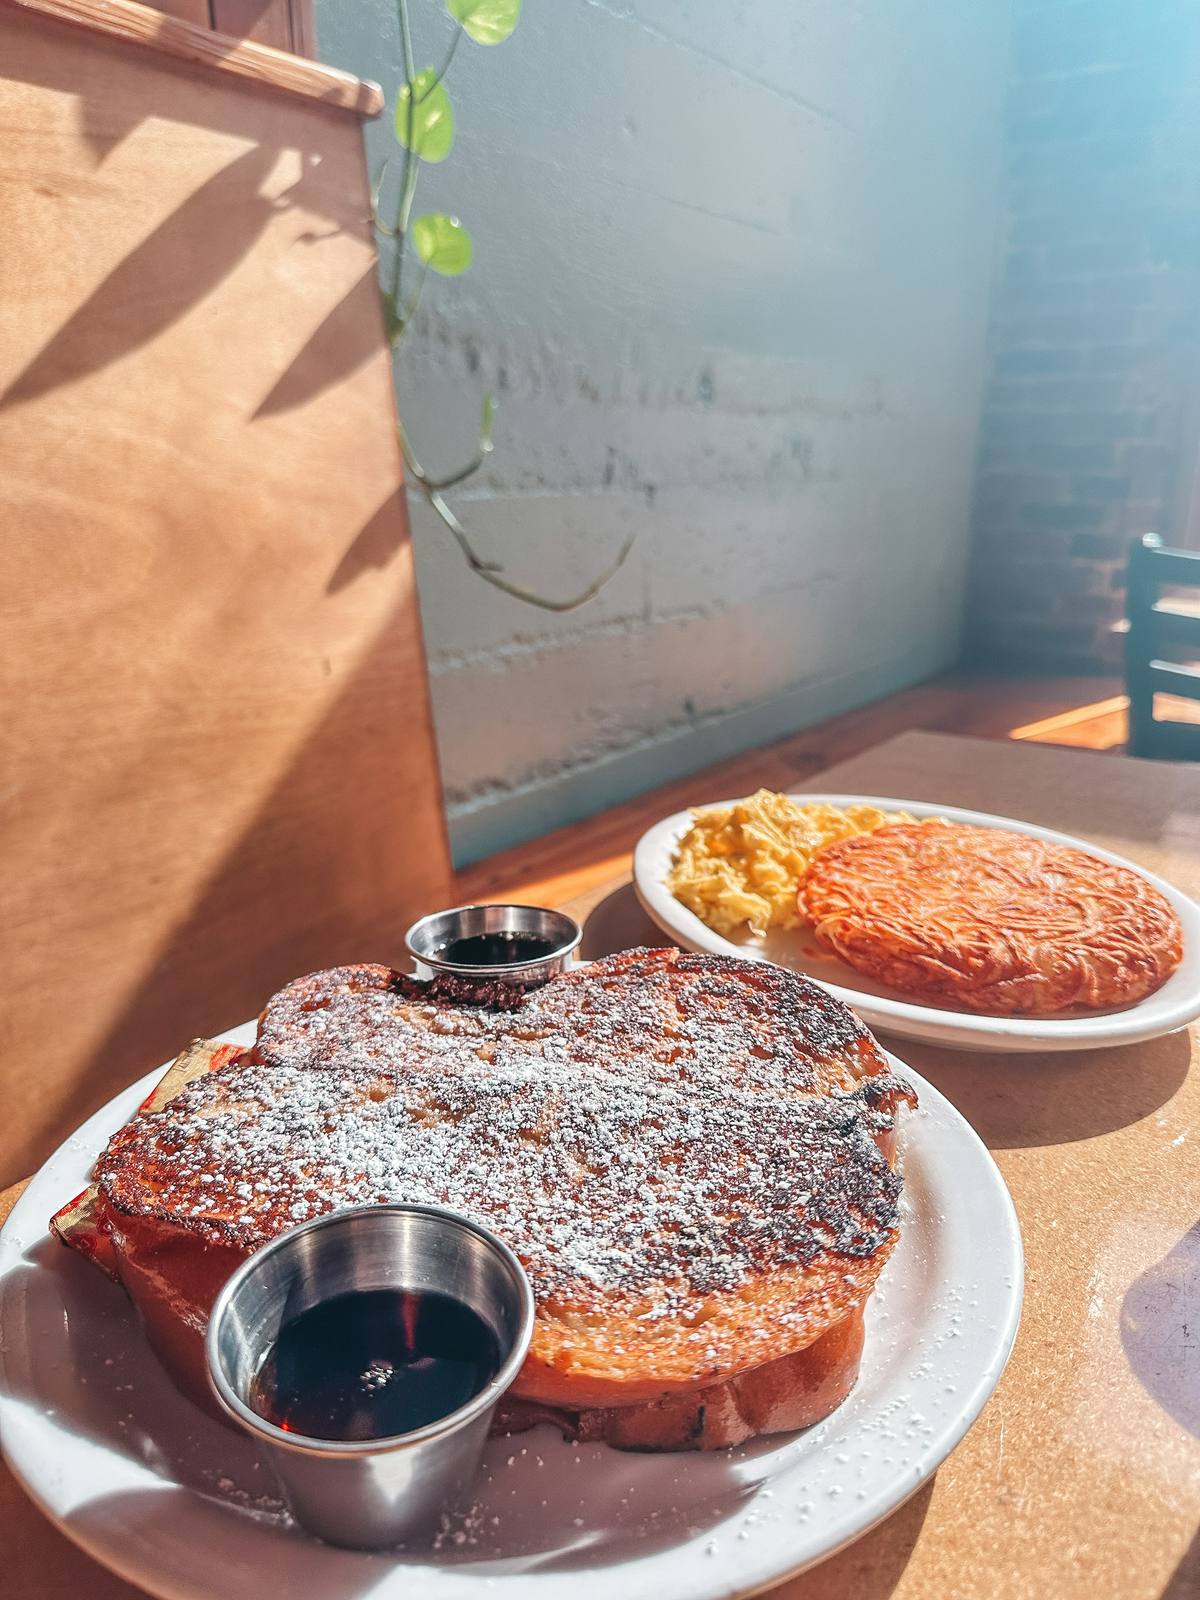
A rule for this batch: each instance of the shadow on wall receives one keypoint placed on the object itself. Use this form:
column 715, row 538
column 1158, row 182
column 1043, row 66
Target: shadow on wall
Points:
column 340, row 855
column 345, row 341
column 105, row 124
column 376, row 543
column 153, row 281
column 346, row 839
column 177, row 265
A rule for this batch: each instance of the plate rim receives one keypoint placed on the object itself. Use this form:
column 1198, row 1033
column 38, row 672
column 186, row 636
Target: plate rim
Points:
column 907, row 1018
column 762, row 1573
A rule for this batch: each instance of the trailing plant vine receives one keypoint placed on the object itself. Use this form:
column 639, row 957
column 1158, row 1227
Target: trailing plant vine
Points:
column 424, row 128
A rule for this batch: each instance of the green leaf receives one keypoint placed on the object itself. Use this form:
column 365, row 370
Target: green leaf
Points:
column 432, row 118
column 442, row 243
column 485, row 423
column 487, row 21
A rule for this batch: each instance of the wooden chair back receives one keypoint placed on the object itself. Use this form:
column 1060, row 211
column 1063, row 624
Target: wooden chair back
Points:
column 217, row 767
column 1162, row 647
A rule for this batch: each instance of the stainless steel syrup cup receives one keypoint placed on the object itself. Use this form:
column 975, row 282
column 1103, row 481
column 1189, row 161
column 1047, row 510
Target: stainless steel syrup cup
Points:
column 377, row 1492
column 433, row 933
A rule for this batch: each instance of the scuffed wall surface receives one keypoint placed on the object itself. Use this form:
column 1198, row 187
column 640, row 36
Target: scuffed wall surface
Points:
column 730, row 286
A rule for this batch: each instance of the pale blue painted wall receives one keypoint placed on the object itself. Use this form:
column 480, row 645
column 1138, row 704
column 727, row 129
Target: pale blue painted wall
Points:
column 732, row 270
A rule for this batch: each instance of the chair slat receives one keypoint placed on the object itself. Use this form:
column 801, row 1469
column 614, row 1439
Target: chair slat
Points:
column 1173, row 741
column 1168, row 677
column 1156, row 627
column 1179, row 630
column 1173, row 566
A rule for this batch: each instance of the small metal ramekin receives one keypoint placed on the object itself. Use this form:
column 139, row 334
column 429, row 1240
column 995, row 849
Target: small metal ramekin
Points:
column 426, row 937
column 371, row 1493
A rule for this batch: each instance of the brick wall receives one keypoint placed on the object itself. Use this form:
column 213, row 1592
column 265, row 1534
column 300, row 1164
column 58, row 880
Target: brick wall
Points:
column 1089, row 404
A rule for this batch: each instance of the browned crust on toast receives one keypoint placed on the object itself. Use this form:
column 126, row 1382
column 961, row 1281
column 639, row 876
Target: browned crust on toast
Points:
column 690, row 1154
column 779, row 1397
column 83, row 1224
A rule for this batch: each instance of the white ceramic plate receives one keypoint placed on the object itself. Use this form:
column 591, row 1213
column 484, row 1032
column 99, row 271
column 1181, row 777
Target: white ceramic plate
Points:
column 1176, row 1003
column 182, row 1506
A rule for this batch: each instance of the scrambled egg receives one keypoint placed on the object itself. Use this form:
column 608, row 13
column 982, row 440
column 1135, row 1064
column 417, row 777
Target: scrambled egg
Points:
column 742, row 865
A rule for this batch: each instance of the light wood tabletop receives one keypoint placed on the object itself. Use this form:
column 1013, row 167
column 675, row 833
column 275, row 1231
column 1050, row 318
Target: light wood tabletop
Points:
column 1081, row 1479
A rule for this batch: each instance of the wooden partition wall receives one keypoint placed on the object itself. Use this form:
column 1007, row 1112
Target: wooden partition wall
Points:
column 217, row 768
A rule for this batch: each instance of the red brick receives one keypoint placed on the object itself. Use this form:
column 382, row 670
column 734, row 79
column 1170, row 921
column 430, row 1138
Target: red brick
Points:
column 1069, row 578
column 1061, row 518
column 1048, row 454
column 1099, row 547
column 1039, row 427
column 1049, row 644
column 1110, row 647
column 1004, row 546
column 1020, row 330
column 1129, row 357
column 1096, row 320
column 1099, row 607
column 1137, row 517
column 1124, row 254
column 1027, row 362
column 1103, row 489
column 1015, row 594
column 1144, row 456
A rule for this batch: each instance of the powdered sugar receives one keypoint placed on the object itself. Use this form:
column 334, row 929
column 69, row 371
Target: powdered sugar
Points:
column 660, row 1125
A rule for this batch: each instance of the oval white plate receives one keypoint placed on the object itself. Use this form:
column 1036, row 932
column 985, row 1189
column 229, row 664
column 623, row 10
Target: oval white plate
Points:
column 182, row 1506
column 1176, row 1003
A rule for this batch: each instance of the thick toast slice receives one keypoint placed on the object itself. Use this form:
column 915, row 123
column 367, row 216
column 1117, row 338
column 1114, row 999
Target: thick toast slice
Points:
column 779, row 1397
column 81, row 1223
column 689, row 1153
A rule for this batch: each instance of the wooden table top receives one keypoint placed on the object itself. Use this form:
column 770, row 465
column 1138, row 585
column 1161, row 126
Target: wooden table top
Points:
column 1081, row 1479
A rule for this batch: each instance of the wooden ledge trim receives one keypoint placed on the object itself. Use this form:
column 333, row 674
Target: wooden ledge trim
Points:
column 257, row 63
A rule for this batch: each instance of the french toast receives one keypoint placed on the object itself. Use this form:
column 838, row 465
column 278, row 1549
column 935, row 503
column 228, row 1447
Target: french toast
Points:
column 692, row 1156
column 82, row 1222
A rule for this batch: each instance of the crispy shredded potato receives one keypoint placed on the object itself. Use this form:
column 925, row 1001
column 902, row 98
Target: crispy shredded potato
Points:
column 742, row 865
column 992, row 920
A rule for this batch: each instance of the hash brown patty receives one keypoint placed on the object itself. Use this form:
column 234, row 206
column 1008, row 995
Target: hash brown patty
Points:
column 991, row 920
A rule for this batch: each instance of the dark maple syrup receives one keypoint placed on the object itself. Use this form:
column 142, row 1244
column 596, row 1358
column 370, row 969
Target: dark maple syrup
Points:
column 374, row 1363
column 494, row 949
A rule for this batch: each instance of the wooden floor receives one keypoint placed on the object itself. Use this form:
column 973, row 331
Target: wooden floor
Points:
column 1087, row 712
